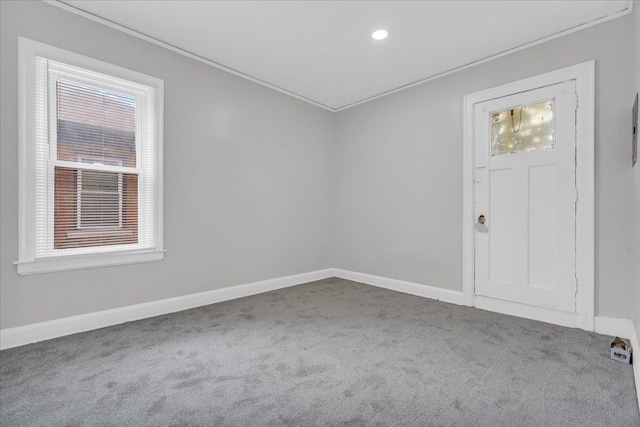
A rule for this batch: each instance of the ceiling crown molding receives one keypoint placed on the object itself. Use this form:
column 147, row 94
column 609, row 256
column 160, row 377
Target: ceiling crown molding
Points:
column 93, row 17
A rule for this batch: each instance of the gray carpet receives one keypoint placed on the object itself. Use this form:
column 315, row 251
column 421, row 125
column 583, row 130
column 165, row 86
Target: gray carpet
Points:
column 326, row 353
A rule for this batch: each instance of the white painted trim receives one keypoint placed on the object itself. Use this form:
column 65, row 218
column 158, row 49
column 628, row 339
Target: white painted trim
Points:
column 126, row 30
column 26, row 170
column 188, row 54
column 585, row 183
column 614, row 326
column 584, row 75
column 432, row 292
column 95, row 260
column 468, row 203
column 584, row 26
column 623, row 328
column 540, row 314
column 635, row 345
column 134, row 83
column 22, row 335
column 14, row 337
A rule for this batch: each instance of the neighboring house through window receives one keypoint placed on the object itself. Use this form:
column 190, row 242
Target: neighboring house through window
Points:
column 91, row 162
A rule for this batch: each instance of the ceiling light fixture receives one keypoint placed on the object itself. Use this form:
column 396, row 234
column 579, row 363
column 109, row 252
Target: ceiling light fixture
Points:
column 380, row 34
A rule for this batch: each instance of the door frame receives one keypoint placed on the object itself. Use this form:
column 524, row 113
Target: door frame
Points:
column 584, row 76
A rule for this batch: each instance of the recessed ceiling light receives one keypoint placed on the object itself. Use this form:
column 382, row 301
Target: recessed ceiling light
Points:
column 380, row 34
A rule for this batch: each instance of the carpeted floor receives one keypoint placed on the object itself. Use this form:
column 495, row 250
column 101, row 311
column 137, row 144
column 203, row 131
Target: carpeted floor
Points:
column 326, row 353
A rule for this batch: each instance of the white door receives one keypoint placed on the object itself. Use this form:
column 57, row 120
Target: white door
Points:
column 525, row 190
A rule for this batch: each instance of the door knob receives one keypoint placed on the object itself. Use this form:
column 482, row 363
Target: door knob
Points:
column 481, row 219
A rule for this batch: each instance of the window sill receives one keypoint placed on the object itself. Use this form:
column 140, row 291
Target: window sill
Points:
column 80, row 262
column 103, row 232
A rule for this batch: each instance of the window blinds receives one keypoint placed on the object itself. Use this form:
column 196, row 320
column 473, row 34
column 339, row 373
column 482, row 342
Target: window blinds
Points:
column 95, row 162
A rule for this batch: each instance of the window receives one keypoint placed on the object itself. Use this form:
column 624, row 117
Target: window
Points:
column 90, row 162
column 524, row 128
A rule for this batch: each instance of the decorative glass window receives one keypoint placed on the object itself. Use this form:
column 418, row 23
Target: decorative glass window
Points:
column 91, row 162
column 524, row 128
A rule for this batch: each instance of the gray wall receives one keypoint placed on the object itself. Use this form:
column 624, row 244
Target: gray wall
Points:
column 279, row 187
column 636, row 172
column 399, row 202
column 246, row 178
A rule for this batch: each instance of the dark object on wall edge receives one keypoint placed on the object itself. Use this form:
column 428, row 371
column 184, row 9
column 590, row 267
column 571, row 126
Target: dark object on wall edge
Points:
column 634, row 136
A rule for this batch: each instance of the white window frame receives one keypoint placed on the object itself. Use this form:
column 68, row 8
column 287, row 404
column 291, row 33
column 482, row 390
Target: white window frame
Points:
column 32, row 221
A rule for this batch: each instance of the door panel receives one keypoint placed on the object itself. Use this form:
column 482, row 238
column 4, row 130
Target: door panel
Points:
column 502, row 216
column 525, row 187
column 542, row 225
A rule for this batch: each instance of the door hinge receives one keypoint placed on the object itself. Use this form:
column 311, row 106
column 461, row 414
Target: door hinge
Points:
column 575, row 99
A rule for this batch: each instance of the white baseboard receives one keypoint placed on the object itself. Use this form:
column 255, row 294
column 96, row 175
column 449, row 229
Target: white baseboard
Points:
column 432, row 292
column 14, row 337
column 635, row 345
column 527, row 311
column 613, row 326
column 603, row 325
column 22, row 335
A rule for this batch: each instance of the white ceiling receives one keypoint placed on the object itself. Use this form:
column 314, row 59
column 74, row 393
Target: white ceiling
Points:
column 323, row 51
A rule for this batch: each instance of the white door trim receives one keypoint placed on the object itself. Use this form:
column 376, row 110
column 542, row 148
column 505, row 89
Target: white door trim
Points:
column 584, row 75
